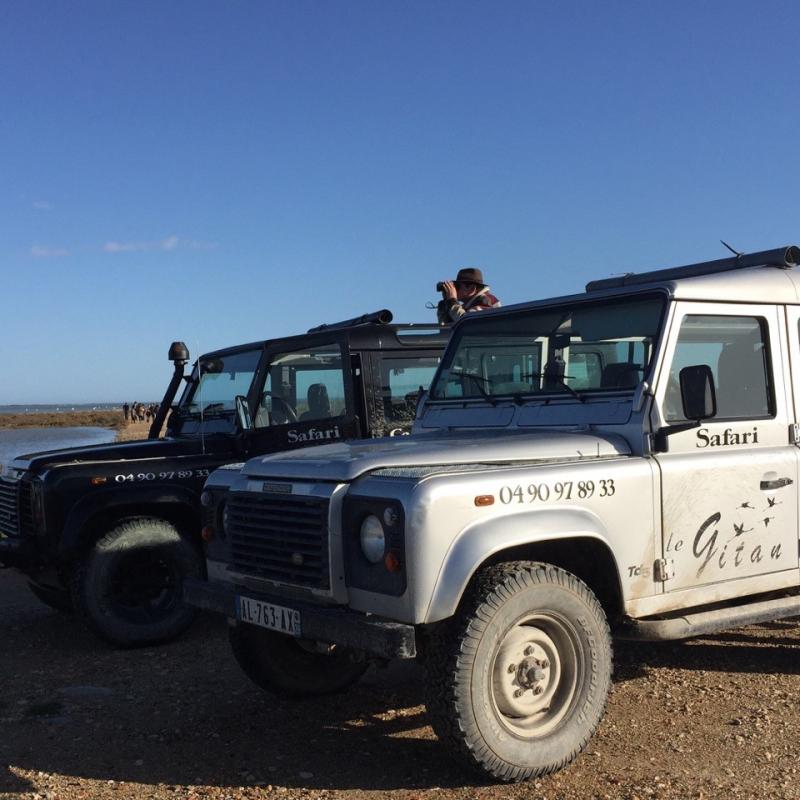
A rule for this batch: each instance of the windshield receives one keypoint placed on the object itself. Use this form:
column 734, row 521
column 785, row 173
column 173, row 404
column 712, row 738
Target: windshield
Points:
column 221, row 379
column 574, row 349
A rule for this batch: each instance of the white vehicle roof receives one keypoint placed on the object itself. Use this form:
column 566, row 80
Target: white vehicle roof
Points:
column 770, row 276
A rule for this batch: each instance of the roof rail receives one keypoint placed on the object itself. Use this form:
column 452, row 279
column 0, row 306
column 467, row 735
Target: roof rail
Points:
column 431, row 326
column 781, row 257
column 382, row 317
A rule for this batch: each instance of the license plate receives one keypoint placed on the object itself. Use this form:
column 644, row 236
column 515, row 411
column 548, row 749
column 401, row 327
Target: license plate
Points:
column 268, row 615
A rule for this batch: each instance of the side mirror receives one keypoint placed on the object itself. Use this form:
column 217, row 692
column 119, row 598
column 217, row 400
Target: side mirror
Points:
column 243, row 413
column 699, row 400
column 698, row 394
column 211, row 366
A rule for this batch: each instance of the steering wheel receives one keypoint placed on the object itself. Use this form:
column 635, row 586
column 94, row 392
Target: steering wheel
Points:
column 282, row 407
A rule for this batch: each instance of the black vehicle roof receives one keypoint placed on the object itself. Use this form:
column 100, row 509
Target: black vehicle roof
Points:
column 363, row 336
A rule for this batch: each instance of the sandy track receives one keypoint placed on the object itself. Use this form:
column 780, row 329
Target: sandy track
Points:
column 714, row 718
column 133, row 430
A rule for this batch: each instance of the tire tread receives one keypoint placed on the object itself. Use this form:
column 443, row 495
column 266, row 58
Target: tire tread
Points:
column 80, row 577
column 459, row 635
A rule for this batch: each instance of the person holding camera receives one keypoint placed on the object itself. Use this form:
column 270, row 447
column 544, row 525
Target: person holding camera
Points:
column 466, row 293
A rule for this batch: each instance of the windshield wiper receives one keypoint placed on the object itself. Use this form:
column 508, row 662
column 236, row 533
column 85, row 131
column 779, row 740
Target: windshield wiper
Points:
column 560, row 379
column 212, row 407
column 211, row 410
column 562, row 382
column 479, row 380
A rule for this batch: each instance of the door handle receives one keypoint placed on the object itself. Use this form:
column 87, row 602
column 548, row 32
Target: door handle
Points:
column 776, row 483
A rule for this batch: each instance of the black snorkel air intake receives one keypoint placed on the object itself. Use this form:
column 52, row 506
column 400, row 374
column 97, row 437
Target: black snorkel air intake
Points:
column 382, row 317
column 179, row 355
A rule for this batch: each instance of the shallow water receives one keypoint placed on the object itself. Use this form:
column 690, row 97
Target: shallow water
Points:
column 17, row 441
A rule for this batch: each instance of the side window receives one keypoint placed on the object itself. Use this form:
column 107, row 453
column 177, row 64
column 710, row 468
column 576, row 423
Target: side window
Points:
column 302, row 385
column 736, row 350
column 402, row 380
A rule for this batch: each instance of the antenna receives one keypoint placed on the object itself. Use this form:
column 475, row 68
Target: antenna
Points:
column 200, row 388
column 735, row 252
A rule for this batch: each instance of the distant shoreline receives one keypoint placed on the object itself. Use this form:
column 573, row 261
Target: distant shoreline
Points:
column 113, row 420
column 63, row 419
column 56, row 408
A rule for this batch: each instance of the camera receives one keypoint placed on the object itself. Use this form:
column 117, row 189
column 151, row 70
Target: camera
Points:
column 440, row 287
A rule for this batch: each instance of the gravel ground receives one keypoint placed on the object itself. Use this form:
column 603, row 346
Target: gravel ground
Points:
column 712, row 718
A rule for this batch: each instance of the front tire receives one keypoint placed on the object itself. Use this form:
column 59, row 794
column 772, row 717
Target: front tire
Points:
column 290, row 667
column 518, row 681
column 129, row 586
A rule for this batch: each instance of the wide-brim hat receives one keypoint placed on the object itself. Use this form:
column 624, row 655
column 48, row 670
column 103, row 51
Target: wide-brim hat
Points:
column 470, row 275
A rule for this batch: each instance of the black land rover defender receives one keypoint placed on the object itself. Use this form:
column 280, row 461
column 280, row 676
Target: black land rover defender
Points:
column 112, row 530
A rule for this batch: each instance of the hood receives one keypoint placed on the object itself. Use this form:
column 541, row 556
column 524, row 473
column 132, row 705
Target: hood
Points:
column 120, row 451
column 347, row 460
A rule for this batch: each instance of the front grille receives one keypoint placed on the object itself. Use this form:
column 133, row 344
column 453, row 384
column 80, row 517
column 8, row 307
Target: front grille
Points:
column 280, row 537
column 25, row 508
column 9, row 507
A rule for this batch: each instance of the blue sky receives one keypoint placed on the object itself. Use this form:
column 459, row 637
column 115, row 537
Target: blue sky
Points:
column 226, row 172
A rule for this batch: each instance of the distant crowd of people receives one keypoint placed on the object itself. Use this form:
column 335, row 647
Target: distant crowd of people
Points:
column 139, row 412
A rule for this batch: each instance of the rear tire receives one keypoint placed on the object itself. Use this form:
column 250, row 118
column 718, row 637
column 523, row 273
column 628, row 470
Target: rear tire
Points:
column 129, row 586
column 288, row 667
column 517, row 682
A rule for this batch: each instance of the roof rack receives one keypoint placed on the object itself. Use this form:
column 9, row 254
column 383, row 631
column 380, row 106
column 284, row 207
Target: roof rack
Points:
column 781, row 257
column 432, row 326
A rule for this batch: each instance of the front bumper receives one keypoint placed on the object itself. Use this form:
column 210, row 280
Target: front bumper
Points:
column 373, row 635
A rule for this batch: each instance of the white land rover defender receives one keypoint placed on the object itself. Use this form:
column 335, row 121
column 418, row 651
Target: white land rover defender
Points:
column 623, row 460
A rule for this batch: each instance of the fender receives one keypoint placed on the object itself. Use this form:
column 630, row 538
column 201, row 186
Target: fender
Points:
column 73, row 534
column 481, row 540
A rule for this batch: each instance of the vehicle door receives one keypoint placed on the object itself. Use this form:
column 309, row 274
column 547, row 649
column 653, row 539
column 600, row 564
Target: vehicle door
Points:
column 306, row 398
column 729, row 485
column 395, row 381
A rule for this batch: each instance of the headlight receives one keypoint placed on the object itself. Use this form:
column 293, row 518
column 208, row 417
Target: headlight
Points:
column 373, row 539
column 206, row 499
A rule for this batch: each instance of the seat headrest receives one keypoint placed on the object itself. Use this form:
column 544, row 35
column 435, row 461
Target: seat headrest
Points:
column 318, row 401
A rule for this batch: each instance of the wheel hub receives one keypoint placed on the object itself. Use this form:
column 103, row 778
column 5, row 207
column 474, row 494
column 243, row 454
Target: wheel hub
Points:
column 526, row 672
column 531, row 673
